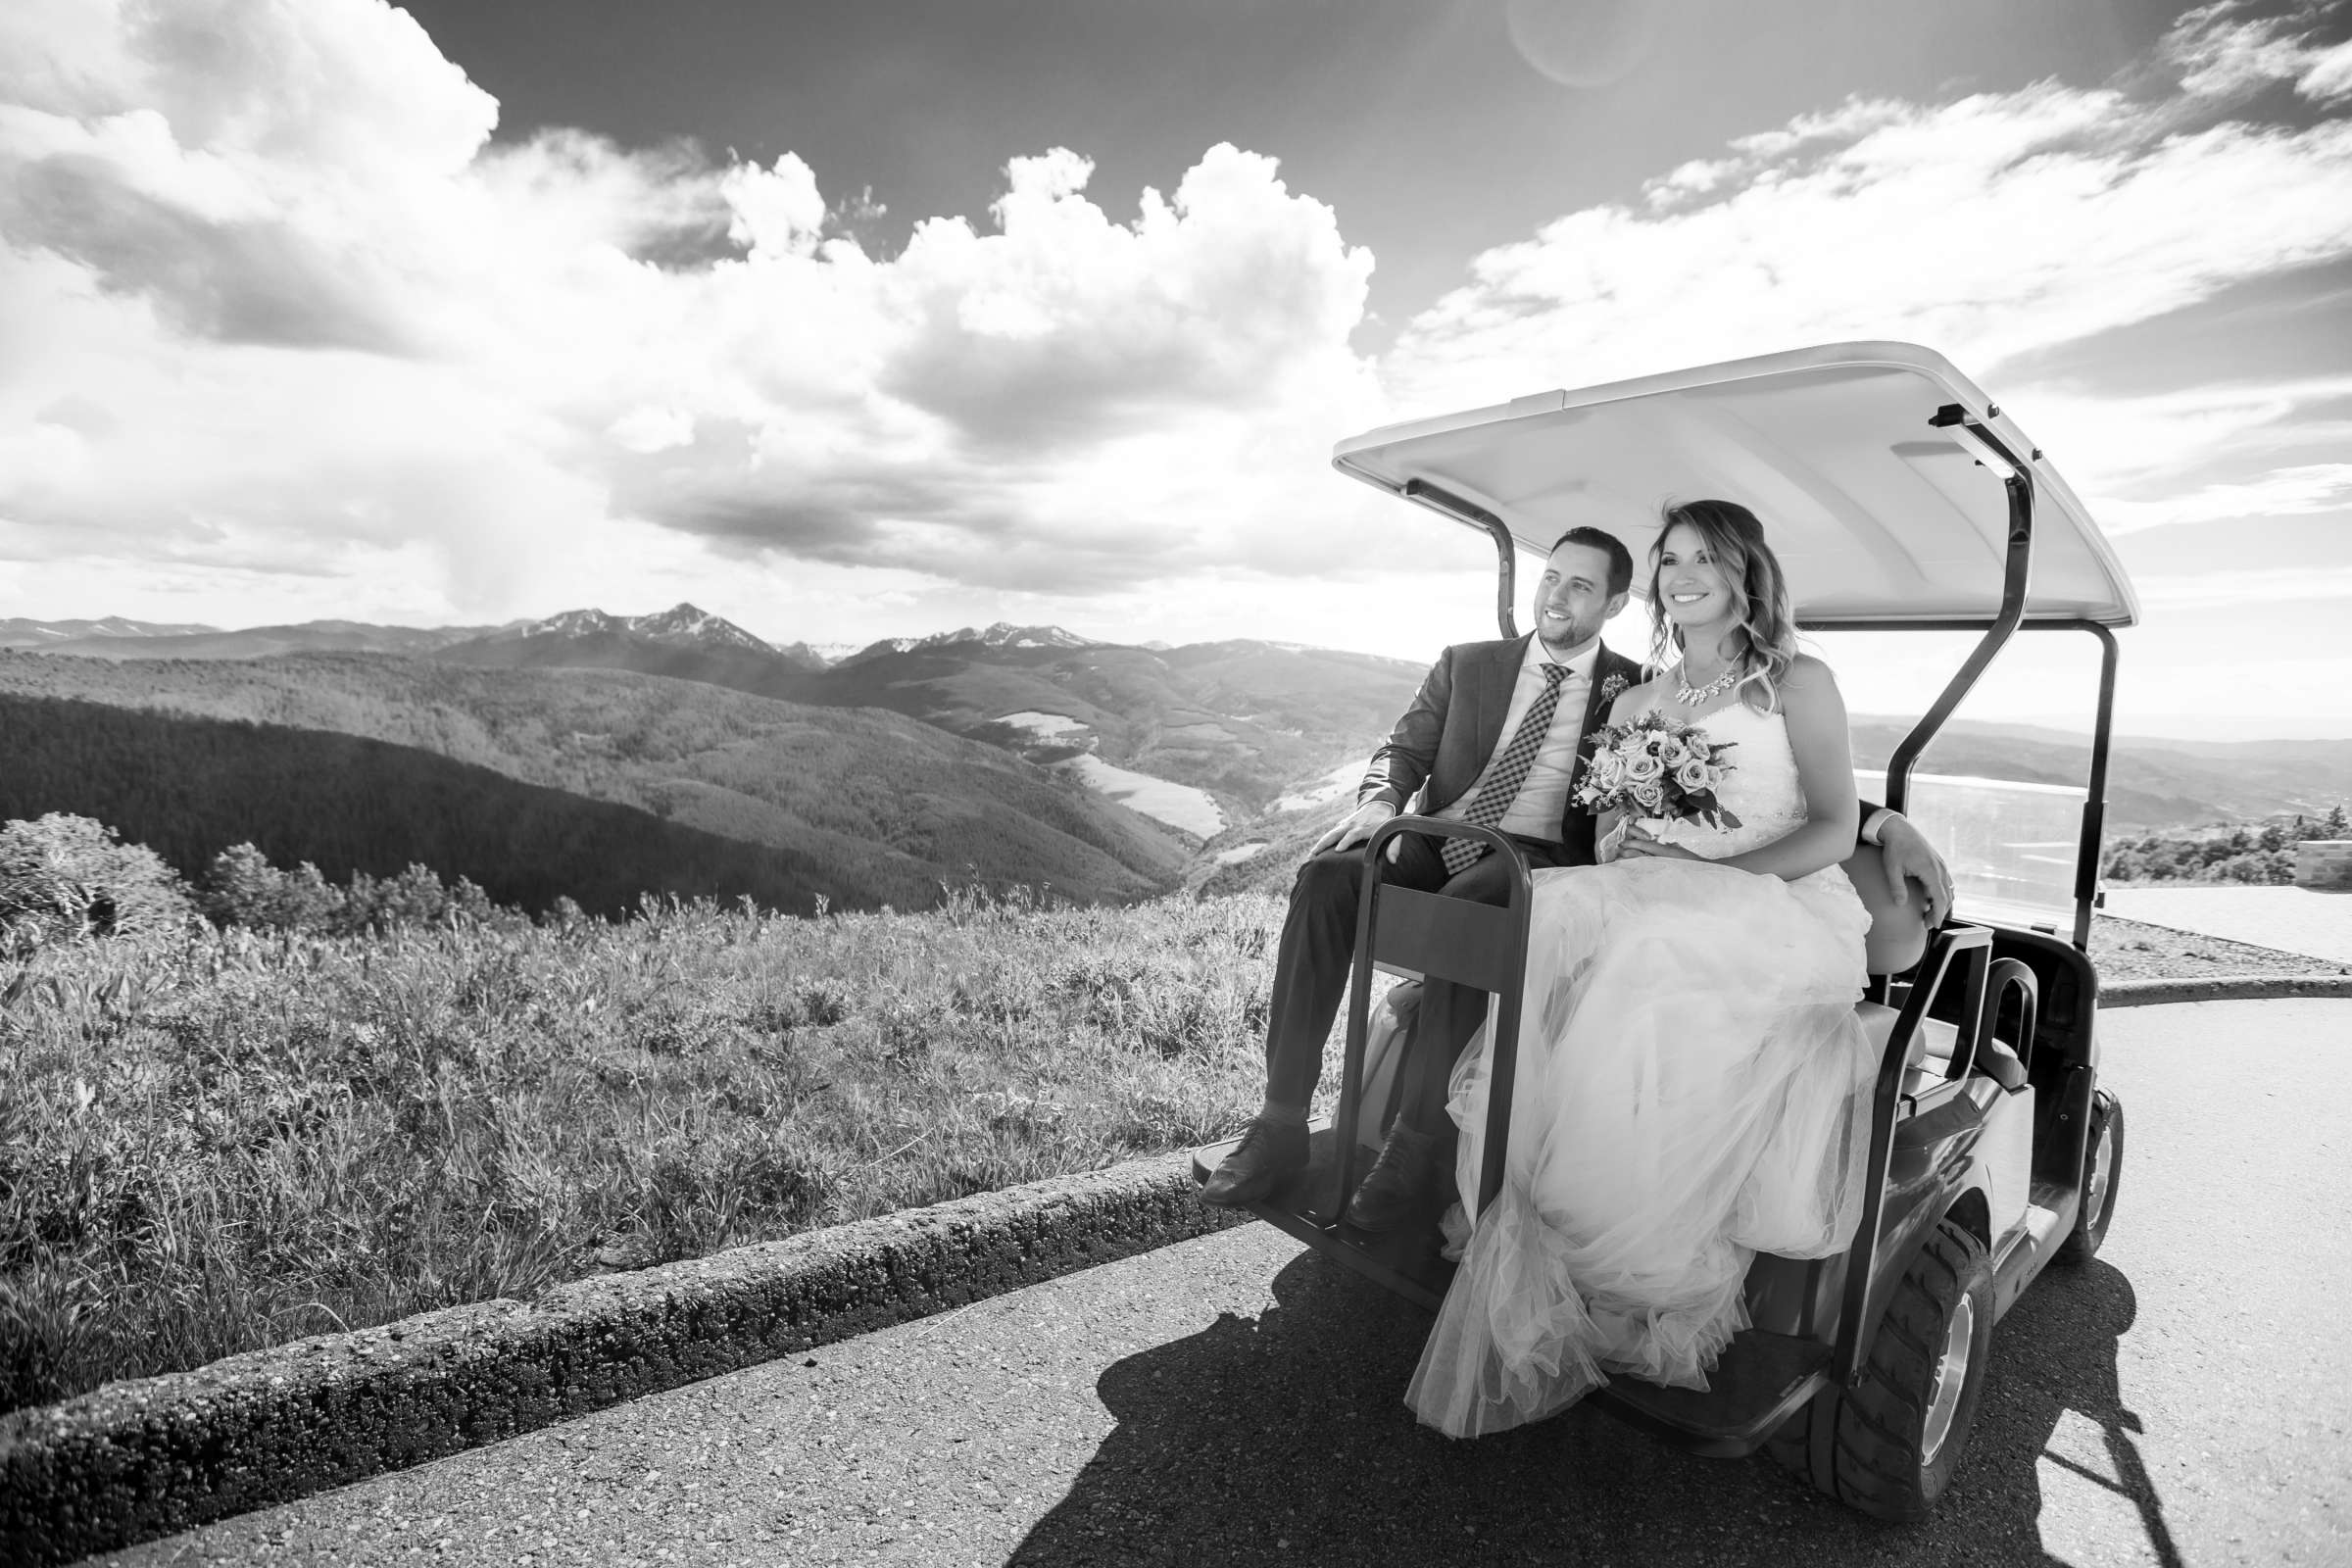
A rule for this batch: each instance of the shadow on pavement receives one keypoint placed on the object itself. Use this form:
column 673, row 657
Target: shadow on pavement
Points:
column 1284, row 1438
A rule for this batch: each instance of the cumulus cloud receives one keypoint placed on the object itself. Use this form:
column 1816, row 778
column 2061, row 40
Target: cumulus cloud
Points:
column 274, row 243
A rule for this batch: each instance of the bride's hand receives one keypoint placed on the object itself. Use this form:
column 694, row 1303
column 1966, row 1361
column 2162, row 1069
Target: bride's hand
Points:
column 1639, row 842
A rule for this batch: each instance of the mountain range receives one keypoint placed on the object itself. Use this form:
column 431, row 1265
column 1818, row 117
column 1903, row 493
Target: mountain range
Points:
column 1003, row 754
column 681, row 626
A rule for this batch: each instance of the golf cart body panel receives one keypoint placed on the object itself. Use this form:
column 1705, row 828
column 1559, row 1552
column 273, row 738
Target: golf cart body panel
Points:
column 1898, row 497
column 1877, row 513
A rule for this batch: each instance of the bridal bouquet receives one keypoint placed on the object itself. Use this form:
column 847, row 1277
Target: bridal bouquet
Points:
column 1656, row 766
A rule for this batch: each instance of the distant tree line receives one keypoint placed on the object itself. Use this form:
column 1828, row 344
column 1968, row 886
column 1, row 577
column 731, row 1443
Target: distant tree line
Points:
column 2260, row 855
column 63, row 878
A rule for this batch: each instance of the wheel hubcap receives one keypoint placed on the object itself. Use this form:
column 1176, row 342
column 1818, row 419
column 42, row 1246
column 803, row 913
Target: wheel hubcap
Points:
column 2103, row 1169
column 1951, row 1376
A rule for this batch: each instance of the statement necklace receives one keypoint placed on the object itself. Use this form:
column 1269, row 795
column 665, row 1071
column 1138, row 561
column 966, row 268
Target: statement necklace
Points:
column 1691, row 696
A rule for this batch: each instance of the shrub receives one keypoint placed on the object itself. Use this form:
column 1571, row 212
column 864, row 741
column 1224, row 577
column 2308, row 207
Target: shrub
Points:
column 242, row 888
column 2263, row 856
column 63, row 878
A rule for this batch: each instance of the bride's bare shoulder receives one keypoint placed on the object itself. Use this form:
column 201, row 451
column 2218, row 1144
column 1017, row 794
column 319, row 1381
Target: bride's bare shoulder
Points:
column 1807, row 689
column 1806, row 674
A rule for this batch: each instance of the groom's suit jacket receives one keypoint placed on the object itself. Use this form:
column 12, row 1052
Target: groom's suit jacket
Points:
column 1454, row 725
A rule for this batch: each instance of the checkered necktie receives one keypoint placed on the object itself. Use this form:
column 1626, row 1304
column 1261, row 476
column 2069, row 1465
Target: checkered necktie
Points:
column 1501, row 786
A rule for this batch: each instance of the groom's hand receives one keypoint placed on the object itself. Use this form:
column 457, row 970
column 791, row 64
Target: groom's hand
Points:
column 1909, row 858
column 1357, row 828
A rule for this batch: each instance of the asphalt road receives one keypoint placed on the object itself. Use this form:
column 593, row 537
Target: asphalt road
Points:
column 2187, row 1399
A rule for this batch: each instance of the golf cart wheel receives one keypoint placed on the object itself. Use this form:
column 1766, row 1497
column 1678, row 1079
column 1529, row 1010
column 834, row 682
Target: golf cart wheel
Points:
column 1891, row 1444
column 2102, row 1167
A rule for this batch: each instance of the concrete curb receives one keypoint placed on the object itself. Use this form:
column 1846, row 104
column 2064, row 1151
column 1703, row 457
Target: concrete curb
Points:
column 146, row 1457
column 2223, row 988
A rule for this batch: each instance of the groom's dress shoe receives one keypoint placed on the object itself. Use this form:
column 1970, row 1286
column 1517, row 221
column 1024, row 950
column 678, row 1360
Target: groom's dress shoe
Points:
column 1403, row 1183
column 1269, row 1154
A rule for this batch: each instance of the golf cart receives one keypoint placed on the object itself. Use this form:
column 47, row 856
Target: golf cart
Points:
column 1898, row 498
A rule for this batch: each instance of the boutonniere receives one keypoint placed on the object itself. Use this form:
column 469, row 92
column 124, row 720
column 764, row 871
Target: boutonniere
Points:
column 1610, row 688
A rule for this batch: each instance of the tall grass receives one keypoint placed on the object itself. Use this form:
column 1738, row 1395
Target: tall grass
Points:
column 217, row 1140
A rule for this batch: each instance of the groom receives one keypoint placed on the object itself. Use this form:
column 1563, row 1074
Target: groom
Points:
column 1492, row 739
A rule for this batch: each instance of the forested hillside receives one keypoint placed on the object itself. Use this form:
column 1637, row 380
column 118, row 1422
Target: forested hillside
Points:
column 874, row 800
column 188, row 788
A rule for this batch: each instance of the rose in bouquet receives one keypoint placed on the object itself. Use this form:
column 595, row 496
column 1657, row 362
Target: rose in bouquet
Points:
column 1656, row 766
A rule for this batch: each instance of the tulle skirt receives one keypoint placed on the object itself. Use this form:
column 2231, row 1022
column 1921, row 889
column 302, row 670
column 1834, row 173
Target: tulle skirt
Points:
column 1692, row 1088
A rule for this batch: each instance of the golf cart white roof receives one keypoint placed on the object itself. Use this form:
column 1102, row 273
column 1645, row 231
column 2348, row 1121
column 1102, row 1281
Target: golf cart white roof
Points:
column 1876, row 513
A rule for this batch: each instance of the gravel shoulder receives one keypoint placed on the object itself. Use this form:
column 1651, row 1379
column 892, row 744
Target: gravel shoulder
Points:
column 2132, row 949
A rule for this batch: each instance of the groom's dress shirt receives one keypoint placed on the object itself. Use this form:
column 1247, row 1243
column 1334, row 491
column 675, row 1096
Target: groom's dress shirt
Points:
column 1543, row 798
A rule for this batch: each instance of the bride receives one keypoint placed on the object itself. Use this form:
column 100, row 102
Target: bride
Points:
column 1691, row 1087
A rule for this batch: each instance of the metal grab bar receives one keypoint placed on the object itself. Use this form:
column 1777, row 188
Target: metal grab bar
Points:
column 2004, row 975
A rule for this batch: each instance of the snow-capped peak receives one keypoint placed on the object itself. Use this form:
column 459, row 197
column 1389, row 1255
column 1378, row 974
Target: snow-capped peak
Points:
column 1003, row 634
column 684, row 624
column 681, row 623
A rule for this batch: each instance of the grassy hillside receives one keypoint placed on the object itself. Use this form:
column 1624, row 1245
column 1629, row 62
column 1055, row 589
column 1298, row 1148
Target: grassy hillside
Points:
column 215, row 1141
column 868, row 798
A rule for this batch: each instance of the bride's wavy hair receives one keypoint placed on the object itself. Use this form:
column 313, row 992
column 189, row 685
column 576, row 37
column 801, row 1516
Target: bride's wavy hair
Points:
column 1765, row 621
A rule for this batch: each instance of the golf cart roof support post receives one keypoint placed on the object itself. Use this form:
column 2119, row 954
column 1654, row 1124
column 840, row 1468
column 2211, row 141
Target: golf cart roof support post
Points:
column 1472, row 516
column 2016, row 575
column 2095, row 805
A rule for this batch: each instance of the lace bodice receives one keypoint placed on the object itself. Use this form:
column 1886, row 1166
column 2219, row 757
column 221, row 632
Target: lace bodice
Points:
column 1762, row 790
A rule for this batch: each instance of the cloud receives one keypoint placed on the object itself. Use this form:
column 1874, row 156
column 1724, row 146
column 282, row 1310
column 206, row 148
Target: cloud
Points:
column 2306, row 490
column 1990, row 227
column 777, row 212
column 275, row 245
column 274, row 304
column 2225, row 50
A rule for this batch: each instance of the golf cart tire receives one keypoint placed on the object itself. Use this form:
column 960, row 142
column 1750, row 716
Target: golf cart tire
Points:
column 2083, row 1243
column 1872, row 1456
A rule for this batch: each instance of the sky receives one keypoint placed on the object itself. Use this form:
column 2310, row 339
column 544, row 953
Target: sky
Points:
column 853, row 321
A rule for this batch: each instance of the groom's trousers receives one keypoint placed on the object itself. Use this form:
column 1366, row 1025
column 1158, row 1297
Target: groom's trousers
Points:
column 1318, row 943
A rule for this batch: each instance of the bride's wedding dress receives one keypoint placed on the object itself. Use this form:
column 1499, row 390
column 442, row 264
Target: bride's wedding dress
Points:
column 1692, row 1088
